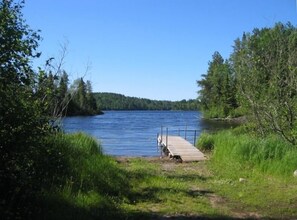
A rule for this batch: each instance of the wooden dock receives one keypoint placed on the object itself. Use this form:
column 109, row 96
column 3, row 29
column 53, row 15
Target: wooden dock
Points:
column 179, row 148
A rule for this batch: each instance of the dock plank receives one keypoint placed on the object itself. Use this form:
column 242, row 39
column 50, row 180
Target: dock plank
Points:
column 179, row 147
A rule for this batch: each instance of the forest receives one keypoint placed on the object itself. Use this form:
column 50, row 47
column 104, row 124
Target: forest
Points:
column 113, row 101
column 258, row 81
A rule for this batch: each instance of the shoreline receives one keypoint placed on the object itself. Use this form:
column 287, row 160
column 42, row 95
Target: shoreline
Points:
column 237, row 120
column 154, row 159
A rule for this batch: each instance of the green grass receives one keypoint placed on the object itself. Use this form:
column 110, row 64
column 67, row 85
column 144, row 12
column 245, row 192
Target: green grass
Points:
column 85, row 184
column 82, row 183
column 167, row 189
column 265, row 164
column 205, row 142
column 239, row 152
column 99, row 187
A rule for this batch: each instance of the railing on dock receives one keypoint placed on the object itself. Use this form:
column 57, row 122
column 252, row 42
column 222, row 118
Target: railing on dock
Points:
column 176, row 143
column 188, row 134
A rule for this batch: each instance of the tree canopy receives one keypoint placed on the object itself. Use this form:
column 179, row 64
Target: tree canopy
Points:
column 83, row 101
column 22, row 120
column 217, row 88
column 258, row 80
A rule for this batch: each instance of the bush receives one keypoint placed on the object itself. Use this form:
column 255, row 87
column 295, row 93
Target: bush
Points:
column 205, row 142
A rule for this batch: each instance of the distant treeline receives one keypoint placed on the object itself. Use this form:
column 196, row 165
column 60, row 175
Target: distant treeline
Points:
column 113, row 101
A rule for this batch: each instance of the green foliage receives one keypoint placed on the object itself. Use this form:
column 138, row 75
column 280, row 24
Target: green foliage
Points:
column 113, row 101
column 87, row 167
column 242, row 152
column 45, row 174
column 265, row 66
column 266, row 166
column 22, row 122
column 89, row 183
column 70, row 173
column 18, row 45
column 32, row 158
column 259, row 79
column 205, row 142
column 60, row 100
column 82, row 100
column 218, row 89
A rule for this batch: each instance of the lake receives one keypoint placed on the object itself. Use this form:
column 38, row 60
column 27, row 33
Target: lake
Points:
column 134, row 133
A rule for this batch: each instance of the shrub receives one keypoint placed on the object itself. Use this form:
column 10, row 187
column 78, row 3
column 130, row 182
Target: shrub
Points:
column 205, row 142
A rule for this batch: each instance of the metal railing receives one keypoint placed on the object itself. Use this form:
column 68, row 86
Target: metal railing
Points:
column 187, row 134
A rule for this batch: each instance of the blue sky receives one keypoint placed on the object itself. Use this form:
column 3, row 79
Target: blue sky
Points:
column 153, row 49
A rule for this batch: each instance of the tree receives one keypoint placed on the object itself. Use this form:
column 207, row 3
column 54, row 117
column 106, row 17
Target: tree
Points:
column 83, row 101
column 18, row 45
column 217, row 88
column 90, row 97
column 22, row 119
column 265, row 62
column 63, row 98
column 29, row 101
column 18, row 109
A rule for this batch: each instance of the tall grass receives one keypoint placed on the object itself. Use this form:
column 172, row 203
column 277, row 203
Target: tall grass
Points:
column 205, row 142
column 83, row 183
column 235, row 153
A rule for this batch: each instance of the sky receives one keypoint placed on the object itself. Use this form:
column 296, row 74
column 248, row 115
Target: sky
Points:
column 154, row 49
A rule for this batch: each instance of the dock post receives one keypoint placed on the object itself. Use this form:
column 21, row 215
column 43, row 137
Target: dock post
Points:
column 159, row 146
column 157, row 142
column 195, row 133
column 161, row 133
column 166, row 137
column 186, row 132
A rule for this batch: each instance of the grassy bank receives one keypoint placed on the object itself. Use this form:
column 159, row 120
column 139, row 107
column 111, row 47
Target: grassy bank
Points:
column 246, row 177
column 70, row 179
column 91, row 185
column 253, row 174
column 164, row 189
column 245, row 154
column 82, row 183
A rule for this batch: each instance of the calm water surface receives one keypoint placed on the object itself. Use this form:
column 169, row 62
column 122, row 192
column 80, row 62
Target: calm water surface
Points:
column 134, row 133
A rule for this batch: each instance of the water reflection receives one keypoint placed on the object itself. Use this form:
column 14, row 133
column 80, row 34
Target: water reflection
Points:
column 216, row 125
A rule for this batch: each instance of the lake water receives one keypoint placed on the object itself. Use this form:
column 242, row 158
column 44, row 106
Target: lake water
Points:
column 134, row 133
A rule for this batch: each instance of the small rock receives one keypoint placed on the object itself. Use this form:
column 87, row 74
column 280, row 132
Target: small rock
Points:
column 295, row 173
column 242, row 180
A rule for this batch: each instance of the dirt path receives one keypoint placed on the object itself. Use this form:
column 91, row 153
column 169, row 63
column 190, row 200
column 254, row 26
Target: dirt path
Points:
column 201, row 177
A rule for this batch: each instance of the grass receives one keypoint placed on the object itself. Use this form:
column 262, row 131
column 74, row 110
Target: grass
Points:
column 164, row 188
column 85, row 184
column 205, row 142
column 265, row 166
column 240, row 153
column 194, row 190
